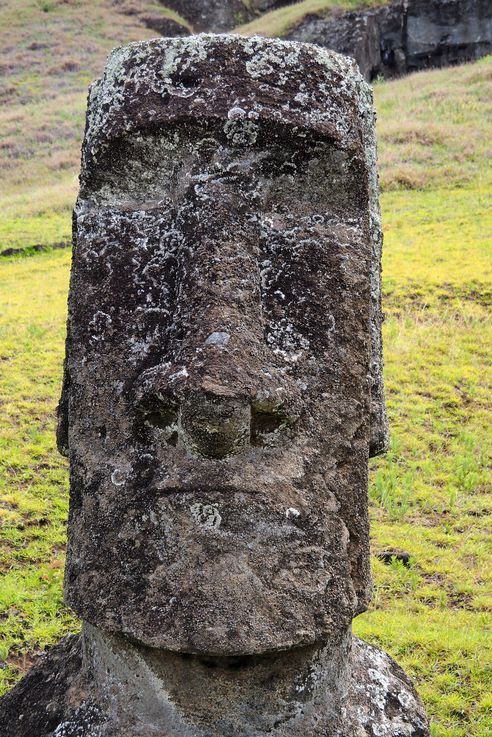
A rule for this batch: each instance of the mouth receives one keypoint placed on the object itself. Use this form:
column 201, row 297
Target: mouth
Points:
column 278, row 475
column 238, row 478
column 171, row 487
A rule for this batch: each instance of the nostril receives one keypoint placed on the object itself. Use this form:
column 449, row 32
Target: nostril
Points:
column 266, row 423
column 173, row 439
column 157, row 404
column 166, row 423
column 162, row 418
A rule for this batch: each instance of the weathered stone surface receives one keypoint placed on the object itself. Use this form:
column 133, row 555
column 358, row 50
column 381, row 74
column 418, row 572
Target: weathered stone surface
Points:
column 217, row 388
column 404, row 36
column 380, row 701
column 119, row 690
column 440, row 34
column 39, row 703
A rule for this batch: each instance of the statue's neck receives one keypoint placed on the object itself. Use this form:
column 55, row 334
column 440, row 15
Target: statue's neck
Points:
column 163, row 693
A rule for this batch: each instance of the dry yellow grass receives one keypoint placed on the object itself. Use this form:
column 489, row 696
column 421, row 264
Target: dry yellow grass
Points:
column 435, row 128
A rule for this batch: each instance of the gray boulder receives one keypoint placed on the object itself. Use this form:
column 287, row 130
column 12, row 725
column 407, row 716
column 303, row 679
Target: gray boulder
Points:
column 404, row 36
column 221, row 15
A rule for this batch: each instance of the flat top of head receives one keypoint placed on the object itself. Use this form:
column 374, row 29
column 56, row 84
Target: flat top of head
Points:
column 153, row 83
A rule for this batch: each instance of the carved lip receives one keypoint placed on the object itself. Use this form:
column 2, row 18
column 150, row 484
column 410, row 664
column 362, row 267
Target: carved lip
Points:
column 198, row 489
column 281, row 475
column 226, row 487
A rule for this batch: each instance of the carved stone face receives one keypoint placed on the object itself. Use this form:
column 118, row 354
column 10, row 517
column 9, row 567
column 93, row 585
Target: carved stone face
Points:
column 217, row 391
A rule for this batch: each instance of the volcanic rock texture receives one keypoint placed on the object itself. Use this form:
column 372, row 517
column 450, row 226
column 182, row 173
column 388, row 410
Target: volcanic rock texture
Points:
column 404, row 36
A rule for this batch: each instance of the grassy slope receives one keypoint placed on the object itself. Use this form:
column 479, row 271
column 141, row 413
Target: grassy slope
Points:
column 52, row 50
column 429, row 496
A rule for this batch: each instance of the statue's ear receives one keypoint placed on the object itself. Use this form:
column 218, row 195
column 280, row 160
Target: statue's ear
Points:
column 62, row 414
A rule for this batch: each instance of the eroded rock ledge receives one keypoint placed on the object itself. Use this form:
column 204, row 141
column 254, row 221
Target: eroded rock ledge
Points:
column 221, row 15
column 405, row 36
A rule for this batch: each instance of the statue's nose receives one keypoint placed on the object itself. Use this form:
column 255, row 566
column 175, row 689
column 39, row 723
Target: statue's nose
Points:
column 210, row 420
column 215, row 425
column 215, row 393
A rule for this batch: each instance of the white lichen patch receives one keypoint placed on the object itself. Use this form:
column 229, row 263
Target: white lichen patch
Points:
column 377, row 691
column 218, row 338
column 119, row 477
column 286, row 341
column 84, row 723
column 206, row 515
column 241, row 132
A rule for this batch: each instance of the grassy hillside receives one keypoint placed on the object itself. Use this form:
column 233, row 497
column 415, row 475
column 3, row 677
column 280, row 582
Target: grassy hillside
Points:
column 52, row 50
column 430, row 496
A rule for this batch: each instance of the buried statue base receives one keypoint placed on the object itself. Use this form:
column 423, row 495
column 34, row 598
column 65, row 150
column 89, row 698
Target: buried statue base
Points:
column 98, row 685
column 222, row 396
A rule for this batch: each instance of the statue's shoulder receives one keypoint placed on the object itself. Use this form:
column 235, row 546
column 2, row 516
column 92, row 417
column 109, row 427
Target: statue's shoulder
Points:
column 37, row 704
column 381, row 695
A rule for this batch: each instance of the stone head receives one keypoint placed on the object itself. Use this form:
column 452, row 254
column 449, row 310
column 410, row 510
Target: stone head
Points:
column 222, row 385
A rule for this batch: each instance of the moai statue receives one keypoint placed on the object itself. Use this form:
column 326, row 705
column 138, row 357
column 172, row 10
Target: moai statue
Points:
column 222, row 396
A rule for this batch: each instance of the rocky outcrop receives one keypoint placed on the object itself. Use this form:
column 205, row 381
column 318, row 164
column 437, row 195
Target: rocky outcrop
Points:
column 221, row 15
column 35, row 248
column 164, row 26
column 388, row 41
column 165, row 21
column 405, row 36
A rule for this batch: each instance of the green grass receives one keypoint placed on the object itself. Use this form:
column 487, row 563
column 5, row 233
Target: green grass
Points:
column 429, row 496
column 33, row 477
